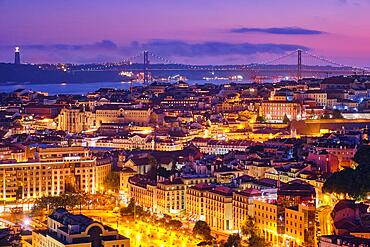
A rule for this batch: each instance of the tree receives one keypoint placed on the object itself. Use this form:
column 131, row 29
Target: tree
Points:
column 234, row 240
column 132, row 209
column 129, row 210
column 340, row 182
column 257, row 241
column 153, row 170
column 175, row 224
column 260, row 119
column 361, row 176
column 248, row 227
column 68, row 201
column 337, row 114
column 202, row 229
column 362, row 156
column 112, row 181
column 250, row 231
column 352, row 182
column 286, row 120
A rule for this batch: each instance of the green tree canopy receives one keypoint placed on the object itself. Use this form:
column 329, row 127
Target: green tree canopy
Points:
column 337, row 114
column 260, row 119
column 251, row 232
column 202, row 229
column 257, row 241
column 111, row 182
column 234, row 240
column 352, row 182
column 68, row 201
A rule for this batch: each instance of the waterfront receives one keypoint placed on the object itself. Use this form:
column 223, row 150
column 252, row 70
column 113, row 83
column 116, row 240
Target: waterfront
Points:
column 65, row 88
column 83, row 88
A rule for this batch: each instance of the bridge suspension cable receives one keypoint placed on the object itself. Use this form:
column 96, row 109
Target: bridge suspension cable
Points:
column 272, row 61
column 331, row 62
column 297, row 62
column 130, row 59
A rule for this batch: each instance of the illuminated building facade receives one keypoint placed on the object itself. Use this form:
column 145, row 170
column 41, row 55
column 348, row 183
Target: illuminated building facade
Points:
column 195, row 207
column 143, row 192
column 343, row 152
column 294, row 226
column 266, row 220
column 218, row 208
column 76, row 120
column 167, row 197
column 291, row 219
column 275, row 110
column 112, row 113
column 243, row 205
column 139, row 142
column 55, row 171
column 171, row 197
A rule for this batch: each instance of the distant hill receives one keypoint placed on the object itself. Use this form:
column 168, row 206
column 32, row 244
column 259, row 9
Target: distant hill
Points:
column 11, row 73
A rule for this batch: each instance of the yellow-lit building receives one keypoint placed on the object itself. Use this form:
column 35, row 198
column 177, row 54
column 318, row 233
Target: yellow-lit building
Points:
column 114, row 113
column 276, row 110
column 124, row 177
column 171, row 197
column 218, row 208
column 300, row 225
column 47, row 154
column 266, row 219
column 294, row 226
column 75, row 120
column 55, row 171
column 195, row 207
column 19, row 154
column 143, row 192
column 167, row 197
column 243, row 206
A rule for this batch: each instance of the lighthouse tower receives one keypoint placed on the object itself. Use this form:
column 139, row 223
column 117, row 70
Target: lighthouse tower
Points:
column 17, row 56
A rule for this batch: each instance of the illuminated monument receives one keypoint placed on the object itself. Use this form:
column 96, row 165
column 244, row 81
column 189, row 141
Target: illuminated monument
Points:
column 17, row 56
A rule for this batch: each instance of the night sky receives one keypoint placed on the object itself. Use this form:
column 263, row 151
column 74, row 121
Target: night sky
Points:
column 191, row 31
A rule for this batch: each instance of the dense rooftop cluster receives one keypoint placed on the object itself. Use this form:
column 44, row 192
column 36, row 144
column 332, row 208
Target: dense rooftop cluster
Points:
column 216, row 153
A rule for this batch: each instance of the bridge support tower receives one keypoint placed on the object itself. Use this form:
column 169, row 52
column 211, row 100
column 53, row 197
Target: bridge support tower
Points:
column 299, row 65
column 146, row 65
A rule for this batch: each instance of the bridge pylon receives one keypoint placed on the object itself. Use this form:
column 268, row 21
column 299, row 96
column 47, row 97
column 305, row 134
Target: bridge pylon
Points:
column 299, row 64
column 146, row 67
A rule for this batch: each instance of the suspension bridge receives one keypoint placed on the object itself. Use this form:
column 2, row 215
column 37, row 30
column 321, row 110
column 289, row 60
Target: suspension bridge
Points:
column 297, row 64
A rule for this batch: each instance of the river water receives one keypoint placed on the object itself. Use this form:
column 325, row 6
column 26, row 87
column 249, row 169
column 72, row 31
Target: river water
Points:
column 81, row 88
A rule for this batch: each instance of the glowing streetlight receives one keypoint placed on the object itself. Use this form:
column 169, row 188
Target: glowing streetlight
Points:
column 26, row 222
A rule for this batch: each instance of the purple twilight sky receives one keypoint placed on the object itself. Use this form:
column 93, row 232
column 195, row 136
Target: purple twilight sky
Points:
column 191, row 31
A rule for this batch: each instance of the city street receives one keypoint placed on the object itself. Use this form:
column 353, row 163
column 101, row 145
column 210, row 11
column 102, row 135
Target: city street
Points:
column 325, row 220
column 142, row 233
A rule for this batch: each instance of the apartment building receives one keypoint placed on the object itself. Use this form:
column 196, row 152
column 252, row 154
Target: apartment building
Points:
column 243, row 205
column 54, row 172
column 218, row 208
column 275, row 110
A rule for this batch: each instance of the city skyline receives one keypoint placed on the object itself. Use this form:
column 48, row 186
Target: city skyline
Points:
column 165, row 123
column 197, row 32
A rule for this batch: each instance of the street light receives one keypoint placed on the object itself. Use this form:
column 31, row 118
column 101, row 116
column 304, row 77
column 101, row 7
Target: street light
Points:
column 26, row 222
